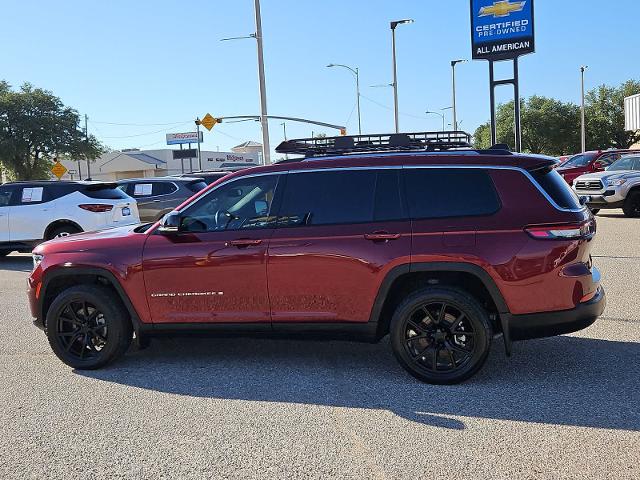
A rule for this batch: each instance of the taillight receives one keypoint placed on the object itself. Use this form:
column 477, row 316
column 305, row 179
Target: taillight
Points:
column 96, row 207
column 563, row 232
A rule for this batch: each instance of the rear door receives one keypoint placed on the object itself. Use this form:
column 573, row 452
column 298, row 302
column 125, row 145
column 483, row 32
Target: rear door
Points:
column 32, row 210
column 339, row 233
column 152, row 197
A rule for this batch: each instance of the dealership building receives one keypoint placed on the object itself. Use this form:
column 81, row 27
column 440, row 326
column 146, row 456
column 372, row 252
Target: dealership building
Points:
column 632, row 114
column 135, row 163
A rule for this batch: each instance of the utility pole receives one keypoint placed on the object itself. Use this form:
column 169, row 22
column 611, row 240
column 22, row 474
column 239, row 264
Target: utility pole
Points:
column 356, row 73
column 86, row 141
column 199, row 153
column 393, row 25
column 453, row 83
column 583, row 132
column 266, row 150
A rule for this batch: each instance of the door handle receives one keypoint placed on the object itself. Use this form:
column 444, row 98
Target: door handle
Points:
column 244, row 242
column 381, row 236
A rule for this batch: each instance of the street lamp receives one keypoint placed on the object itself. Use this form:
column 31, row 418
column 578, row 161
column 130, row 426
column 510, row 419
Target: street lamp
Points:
column 437, row 113
column 583, row 132
column 393, row 25
column 357, row 76
column 453, row 83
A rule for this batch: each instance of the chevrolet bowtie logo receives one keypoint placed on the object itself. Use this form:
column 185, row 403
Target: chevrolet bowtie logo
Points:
column 502, row 8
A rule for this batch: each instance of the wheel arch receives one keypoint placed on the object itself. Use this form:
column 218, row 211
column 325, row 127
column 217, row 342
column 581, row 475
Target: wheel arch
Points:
column 59, row 223
column 409, row 277
column 60, row 279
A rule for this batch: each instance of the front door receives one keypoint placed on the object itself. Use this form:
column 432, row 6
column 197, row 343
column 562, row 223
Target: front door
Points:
column 339, row 233
column 214, row 269
column 5, row 201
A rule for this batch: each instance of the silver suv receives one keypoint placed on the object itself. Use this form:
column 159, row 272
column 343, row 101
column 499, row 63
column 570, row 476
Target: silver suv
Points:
column 617, row 187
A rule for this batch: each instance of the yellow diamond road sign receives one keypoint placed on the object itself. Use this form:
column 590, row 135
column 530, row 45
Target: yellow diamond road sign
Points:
column 58, row 170
column 208, row 121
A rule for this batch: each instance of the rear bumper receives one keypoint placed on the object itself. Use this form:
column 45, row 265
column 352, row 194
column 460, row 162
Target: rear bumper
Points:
column 548, row 324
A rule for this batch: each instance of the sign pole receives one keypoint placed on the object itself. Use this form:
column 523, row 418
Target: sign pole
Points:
column 199, row 153
column 516, row 109
column 492, row 101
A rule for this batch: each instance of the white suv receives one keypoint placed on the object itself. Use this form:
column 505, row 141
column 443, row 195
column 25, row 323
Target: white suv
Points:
column 31, row 212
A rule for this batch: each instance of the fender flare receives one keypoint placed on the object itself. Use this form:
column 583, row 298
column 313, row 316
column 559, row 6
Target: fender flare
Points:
column 92, row 271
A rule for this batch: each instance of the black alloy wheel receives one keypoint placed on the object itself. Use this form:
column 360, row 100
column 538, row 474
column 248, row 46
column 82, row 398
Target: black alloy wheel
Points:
column 88, row 327
column 441, row 335
column 631, row 206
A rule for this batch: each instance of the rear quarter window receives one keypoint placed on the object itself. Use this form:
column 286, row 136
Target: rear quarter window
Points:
column 199, row 185
column 557, row 188
column 452, row 192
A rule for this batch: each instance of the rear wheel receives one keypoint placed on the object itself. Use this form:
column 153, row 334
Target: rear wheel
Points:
column 441, row 335
column 631, row 206
column 63, row 231
column 87, row 327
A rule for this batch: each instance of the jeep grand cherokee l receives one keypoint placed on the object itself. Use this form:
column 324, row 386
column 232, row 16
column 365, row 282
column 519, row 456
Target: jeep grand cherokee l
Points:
column 364, row 237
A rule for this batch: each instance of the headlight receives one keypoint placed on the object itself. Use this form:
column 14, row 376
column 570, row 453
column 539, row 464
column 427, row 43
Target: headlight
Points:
column 616, row 183
column 37, row 259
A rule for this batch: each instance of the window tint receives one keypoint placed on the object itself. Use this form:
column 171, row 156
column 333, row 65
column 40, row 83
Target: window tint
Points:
column 440, row 193
column 388, row 203
column 107, row 192
column 243, row 204
column 197, row 186
column 163, row 188
column 557, row 188
column 324, row 198
column 5, row 196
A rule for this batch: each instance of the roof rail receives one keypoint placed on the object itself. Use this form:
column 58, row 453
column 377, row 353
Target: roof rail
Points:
column 386, row 142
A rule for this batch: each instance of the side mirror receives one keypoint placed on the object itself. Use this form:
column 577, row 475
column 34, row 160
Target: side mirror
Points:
column 171, row 223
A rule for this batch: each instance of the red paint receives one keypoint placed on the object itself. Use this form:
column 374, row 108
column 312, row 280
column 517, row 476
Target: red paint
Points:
column 333, row 273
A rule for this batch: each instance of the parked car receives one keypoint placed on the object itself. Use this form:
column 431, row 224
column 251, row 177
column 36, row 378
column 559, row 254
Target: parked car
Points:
column 438, row 250
column 209, row 176
column 588, row 162
column 31, row 212
column 157, row 196
column 617, row 187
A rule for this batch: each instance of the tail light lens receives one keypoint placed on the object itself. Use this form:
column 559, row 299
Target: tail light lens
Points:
column 584, row 230
column 96, row 207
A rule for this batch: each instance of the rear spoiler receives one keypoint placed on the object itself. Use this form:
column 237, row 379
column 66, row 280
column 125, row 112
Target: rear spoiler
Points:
column 92, row 187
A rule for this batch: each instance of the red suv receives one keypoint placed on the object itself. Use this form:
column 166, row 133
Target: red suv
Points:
column 364, row 237
column 588, row 162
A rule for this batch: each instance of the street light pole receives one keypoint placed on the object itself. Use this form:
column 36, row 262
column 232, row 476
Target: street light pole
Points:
column 356, row 72
column 583, row 133
column 453, row 83
column 393, row 25
column 86, row 141
column 438, row 113
column 266, row 150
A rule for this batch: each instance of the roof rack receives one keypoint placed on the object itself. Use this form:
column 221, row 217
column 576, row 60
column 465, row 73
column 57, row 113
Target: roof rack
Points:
column 425, row 141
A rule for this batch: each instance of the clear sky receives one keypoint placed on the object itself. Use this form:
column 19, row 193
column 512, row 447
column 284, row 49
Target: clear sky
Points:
column 153, row 63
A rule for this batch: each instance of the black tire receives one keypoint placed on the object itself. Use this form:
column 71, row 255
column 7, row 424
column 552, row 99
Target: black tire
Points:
column 594, row 210
column 420, row 327
column 631, row 206
column 4, row 253
column 63, row 231
column 88, row 327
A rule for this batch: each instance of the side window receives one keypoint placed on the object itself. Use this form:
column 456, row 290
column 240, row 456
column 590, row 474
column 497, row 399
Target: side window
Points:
column 30, row 195
column 608, row 159
column 242, row 204
column 326, row 198
column 142, row 189
column 5, row 196
column 388, row 203
column 441, row 193
column 163, row 188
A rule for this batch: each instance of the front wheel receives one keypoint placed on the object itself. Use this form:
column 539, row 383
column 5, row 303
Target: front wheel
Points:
column 441, row 335
column 87, row 327
column 631, row 206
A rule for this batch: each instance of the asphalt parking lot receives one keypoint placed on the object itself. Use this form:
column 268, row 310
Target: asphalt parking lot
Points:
column 565, row 407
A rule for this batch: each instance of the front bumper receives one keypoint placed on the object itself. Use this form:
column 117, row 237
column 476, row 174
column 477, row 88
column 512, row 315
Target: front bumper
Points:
column 612, row 197
column 548, row 324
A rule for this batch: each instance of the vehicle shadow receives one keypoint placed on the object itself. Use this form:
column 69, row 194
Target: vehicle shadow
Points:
column 16, row 263
column 561, row 381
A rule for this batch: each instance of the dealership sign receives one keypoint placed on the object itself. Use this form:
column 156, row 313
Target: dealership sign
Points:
column 501, row 29
column 179, row 138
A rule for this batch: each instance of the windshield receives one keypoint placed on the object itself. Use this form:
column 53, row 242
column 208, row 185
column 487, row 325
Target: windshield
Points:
column 578, row 160
column 625, row 163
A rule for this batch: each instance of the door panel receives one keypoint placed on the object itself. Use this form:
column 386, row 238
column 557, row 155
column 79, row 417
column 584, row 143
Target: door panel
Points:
column 213, row 270
column 332, row 273
column 31, row 213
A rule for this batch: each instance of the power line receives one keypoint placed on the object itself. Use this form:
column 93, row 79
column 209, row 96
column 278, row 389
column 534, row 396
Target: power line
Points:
column 391, row 109
column 146, row 133
column 140, row 124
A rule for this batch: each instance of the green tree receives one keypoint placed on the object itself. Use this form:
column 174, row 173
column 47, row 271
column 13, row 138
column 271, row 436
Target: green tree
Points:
column 549, row 126
column 35, row 127
column 604, row 112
